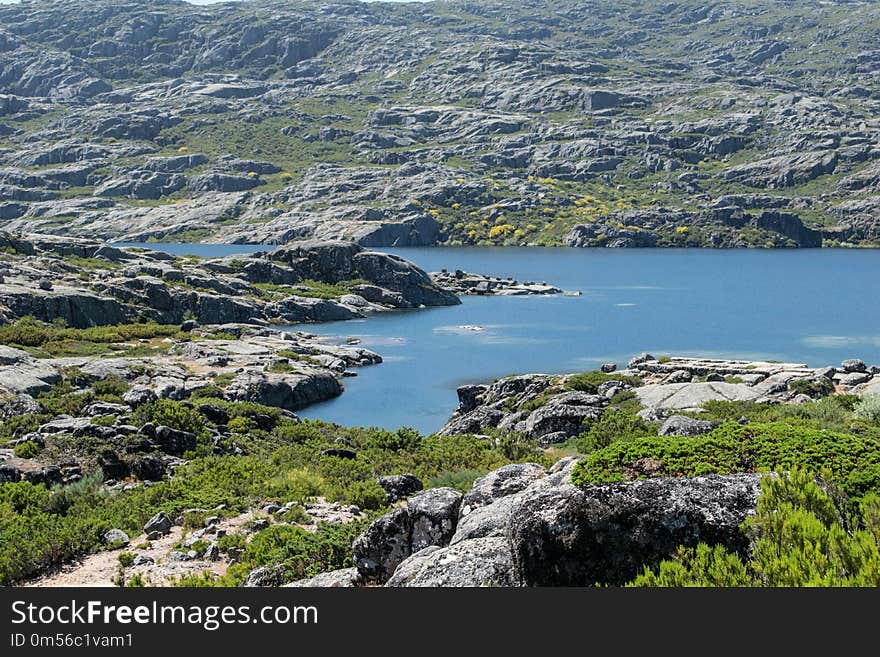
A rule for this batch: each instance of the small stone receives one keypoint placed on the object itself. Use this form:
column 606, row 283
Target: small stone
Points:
column 159, row 523
column 212, row 552
column 853, row 365
column 116, row 537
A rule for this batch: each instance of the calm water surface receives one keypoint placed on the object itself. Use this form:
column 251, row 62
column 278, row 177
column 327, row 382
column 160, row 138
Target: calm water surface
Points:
column 812, row 306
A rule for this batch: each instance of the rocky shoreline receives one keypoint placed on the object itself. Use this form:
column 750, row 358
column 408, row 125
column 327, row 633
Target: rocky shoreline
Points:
column 553, row 408
column 187, row 329
column 88, row 283
column 523, row 524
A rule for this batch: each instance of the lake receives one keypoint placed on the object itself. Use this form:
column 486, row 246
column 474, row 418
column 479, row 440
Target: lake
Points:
column 813, row 306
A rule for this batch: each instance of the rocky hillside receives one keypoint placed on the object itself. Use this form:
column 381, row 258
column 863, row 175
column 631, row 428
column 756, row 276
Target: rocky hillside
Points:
column 598, row 123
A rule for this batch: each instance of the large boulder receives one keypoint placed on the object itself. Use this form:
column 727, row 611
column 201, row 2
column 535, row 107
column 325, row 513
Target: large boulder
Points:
column 434, row 515
column 383, row 546
column 570, row 536
column 264, row 576
column 159, row 523
column 222, row 182
column 9, row 474
column 20, row 405
column 288, row 391
column 480, row 562
column 563, row 415
column 174, row 441
column 429, row 518
column 499, row 483
column 344, row 578
column 397, row 487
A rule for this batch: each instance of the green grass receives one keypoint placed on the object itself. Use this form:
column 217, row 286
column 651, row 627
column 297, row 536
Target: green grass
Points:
column 55, row 338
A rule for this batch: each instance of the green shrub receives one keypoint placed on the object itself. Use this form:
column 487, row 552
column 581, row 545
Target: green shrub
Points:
column 26, row 450
column 65, row 399
column 241, row 424
column 589, row 382
column 298, row 484
column 18, row 425
column 800, row 537
column 207, row 392
column 172, row 414
column 29, row 332
column 229, row 542
column 136, row 581
column 515, row 447
column 832, row 412
column 110, row 389
column 125, row 559
column 461, row 481
column 868, row 408
column 296, row 552
column 104, row 420
column 365, row 494
column 614, row 425
column 854, row 460
column 815, row 387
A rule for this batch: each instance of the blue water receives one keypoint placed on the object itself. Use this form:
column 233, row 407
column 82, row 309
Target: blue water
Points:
column 812, row 306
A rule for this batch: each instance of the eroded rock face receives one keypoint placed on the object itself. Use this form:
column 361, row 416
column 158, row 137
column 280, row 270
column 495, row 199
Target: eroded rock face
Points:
column 429, row 519
column 283, row 390
column 138, row 285
column 344, row 578
column 568, row 536
column 512, row 404
column 383, row 546
column 551, row 533
column 413, row 170
column 480, row 562
column 500, row 483
column 679, row 425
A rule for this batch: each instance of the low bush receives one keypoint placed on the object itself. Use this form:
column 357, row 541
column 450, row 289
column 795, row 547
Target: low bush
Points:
column 589, row 382
column 172, row 414
column 614, row 425
column 868, row 408
column 296, row 552
column 854, row 460
column 30, row 332
column 26, row 450
column 801, row 536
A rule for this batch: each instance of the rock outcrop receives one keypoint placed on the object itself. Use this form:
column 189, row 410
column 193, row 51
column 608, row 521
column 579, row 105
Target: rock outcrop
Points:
column 524, row 526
